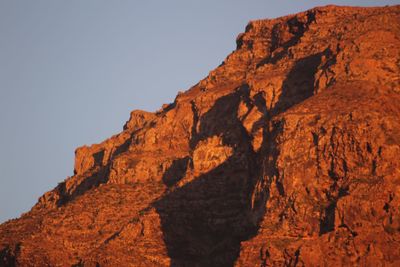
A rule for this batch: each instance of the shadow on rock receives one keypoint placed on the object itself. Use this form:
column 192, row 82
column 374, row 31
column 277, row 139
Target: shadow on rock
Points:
column 176, row 172
column 205, row 221
column 299, row 83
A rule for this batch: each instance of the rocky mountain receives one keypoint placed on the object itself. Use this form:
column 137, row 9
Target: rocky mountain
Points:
column 287, row 154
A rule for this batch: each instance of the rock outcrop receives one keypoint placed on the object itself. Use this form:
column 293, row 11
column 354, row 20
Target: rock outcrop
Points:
column 287, row 154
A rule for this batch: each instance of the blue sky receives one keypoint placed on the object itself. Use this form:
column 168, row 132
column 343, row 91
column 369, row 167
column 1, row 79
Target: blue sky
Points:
column 71, row 72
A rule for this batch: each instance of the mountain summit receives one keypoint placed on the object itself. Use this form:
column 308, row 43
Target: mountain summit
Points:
column 287, row 154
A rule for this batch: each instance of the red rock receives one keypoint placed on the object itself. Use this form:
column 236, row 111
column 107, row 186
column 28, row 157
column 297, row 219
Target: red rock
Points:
column 286, row 154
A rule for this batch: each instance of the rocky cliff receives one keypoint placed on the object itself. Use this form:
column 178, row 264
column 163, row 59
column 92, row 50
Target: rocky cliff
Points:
column 287, row 154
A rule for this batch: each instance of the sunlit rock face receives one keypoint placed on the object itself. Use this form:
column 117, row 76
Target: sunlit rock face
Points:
column 285, row 155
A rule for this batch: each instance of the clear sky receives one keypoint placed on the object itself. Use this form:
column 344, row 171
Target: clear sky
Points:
column 71, row 72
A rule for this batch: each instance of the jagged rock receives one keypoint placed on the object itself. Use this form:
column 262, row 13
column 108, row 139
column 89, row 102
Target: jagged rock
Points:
column 285, row 155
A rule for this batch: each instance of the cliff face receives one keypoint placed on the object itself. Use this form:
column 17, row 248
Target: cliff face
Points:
column 286, row 154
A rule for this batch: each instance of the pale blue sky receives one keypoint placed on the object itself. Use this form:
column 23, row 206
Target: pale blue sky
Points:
column 71, row 71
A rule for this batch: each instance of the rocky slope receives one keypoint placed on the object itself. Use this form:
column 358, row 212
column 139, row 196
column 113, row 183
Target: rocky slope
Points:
column 287, row 154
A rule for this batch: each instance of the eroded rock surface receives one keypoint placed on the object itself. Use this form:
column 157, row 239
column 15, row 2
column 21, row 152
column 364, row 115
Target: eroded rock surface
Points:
column 285, row 155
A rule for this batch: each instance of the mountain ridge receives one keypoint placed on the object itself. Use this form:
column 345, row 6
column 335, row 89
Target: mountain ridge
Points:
column 285, row 154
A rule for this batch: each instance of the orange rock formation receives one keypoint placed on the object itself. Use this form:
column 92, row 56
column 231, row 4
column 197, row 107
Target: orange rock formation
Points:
column 285, row 155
